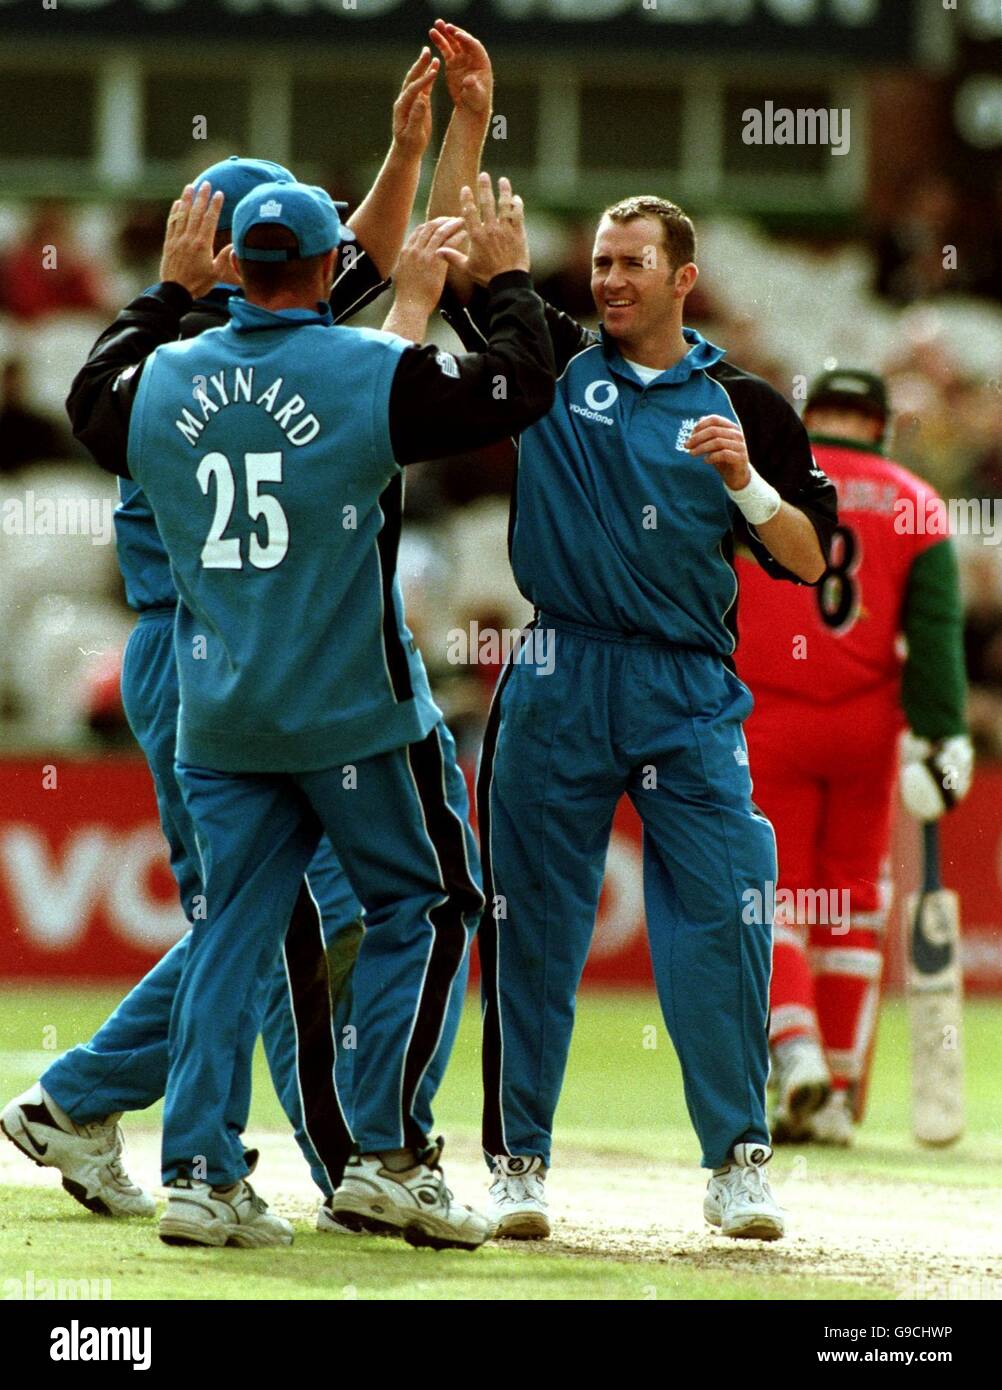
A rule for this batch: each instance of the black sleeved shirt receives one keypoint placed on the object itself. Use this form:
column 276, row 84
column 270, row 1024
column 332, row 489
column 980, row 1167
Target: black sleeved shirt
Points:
column 439, row 404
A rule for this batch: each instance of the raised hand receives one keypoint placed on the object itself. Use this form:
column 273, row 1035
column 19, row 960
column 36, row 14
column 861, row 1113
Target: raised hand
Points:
column 468, row 73
column 412, row 108
column 188, row 258
column 497, row 232
column 419, row 275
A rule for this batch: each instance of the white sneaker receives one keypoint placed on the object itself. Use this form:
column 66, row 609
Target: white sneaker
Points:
column 803, row 1084
column 833, row 1123
column 738, row 1198
column 88, row 1156
column 518, row 1200
column 415, row 1204
column 200, row 1214
column 328, row 1223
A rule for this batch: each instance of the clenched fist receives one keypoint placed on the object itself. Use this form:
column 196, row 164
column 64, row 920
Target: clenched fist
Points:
column 721, row 442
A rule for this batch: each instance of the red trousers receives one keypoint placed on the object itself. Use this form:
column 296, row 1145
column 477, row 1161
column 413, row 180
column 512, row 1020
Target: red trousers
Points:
column 825, row 776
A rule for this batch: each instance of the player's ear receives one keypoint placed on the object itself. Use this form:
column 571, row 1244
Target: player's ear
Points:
column 235, row 267
column 685, row 278
column 330, row 266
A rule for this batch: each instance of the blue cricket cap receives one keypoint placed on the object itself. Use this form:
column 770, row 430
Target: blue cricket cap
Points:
column 235, row 177
column 309, row 213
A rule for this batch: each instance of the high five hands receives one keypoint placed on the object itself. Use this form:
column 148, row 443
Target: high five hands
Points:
column 412, row 108
column 496, row 231
column 188, row 258
column 468, row 73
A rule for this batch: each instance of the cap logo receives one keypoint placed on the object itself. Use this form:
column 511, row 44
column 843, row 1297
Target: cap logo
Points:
column 270, row 209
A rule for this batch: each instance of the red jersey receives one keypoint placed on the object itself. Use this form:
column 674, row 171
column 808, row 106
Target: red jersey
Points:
column 844, row 636
column 32, row 290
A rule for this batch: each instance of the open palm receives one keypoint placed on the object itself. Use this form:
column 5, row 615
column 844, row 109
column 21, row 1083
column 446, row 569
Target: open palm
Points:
column 468, row 73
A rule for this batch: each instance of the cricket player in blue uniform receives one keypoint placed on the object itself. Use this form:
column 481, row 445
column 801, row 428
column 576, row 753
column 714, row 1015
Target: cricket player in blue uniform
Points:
column 70, row 1118
column 656, row 456
column 304, row 702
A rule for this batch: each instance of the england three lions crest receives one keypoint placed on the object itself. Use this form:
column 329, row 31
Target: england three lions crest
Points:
column 685, row 431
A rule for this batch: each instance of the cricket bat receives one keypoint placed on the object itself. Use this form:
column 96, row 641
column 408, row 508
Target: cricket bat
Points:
column 935, row 1002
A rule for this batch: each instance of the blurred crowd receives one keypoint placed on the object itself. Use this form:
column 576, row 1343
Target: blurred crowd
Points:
column 916, row 221
column 892, row 301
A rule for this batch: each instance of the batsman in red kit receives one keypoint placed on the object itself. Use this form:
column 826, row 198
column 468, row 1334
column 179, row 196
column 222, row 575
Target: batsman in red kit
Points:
column 839, row 672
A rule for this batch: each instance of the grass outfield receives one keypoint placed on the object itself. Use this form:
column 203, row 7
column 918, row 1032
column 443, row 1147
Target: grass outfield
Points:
column 622, row 1101
column 71, row 1247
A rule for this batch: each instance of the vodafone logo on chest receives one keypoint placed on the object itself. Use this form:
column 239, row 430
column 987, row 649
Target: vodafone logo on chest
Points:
column 599, row 396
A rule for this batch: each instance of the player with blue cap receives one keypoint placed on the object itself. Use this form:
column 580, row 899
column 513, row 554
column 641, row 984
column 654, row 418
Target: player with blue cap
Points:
column 124, row 1066
column 235, row 177
column 309, row 213
column 71, row 1114
column 305, row 705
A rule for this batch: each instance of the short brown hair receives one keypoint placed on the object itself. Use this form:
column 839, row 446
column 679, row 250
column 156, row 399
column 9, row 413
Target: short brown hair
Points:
column 679, row 233
column 268, row 278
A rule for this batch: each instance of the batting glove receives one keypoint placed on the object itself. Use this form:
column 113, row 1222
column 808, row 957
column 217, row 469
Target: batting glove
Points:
column 935, row 775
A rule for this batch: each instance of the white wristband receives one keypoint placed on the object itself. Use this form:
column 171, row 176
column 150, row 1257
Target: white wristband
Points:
column 758, row 500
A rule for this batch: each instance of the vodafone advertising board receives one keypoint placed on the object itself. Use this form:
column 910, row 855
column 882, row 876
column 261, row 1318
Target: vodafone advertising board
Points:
column 86, row 892
column 85, row 887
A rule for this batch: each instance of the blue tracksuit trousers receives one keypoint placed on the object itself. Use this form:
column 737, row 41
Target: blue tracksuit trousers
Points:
column 620, row 715
column 398, row 824
column 124, row 1065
